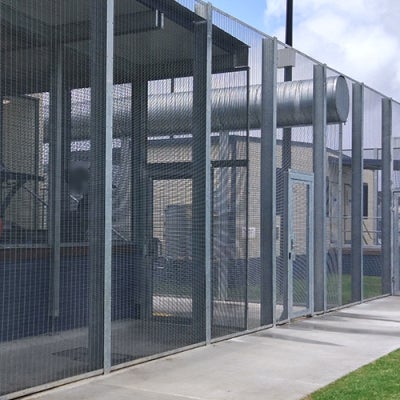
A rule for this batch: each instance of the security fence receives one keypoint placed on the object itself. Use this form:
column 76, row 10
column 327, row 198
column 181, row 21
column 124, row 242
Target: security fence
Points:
column 171, row 177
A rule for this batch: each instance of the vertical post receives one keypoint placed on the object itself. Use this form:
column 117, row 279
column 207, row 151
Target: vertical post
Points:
column 387, row 165
column 66, row 152
column 319, row 162
column 375, row 185
column 268, row 180
column 288, row 75
column 340, row 217
column 100, row 196
column 1, row 124
column 1, row 131
column 287, row 244
column 57, row 122
column 225, row 220
column 286, row 151
column 201, row 194
column 357, row 193
column 395, row 242
column 287, row 134
column 139, row 204
column 247, row 199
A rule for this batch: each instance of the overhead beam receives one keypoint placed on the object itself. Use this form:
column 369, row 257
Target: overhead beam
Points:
column 177, row 69
column 185, row 17
column 32, row 32
column 35, row 33
column 123, row 73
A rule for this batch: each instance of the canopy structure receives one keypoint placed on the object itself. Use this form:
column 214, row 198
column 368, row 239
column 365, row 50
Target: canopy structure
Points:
column 146, row 34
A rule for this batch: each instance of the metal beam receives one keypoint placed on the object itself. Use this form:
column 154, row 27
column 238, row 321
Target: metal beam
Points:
column 184, row 17
column 30, row 31
column 387, row 167
column 131, row 23
column 33, row 32
column 357, row 193
column 268, row 181
column 100, row 196
column 222, row 230
column 201, row 192
column 184, row 169
column 1, row 132
column 57, row 123
column 123, row 73
column 178, row 69
column 140, row 200
column 340, row 217
column 319, row 166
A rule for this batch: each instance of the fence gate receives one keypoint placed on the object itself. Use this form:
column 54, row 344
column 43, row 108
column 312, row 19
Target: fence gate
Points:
column 300, row 199
column 396, row 242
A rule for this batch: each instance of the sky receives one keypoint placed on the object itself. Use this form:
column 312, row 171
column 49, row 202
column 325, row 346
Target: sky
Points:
column 359, row 38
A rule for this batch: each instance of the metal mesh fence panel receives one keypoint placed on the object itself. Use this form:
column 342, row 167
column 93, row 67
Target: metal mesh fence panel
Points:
column 346, row 204
column 294, row 152
column 333, row 216
column 236, row 210
column 299, row 274
column 158, row 284
column 130, row 170
column 44, row 172
column 396, row 196
column 396, row 145
column 372, row 195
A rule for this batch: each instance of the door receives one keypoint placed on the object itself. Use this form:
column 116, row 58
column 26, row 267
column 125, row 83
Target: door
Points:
column 299, row 254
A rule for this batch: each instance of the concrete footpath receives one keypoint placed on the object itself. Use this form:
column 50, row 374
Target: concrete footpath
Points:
column 286, row 362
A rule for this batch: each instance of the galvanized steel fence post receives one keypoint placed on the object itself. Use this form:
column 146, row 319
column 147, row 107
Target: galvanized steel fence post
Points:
column 100, row 196
column 139, row 199
column 340, row 218
column 201, row 204
column 357, row 193
column 387, row 167
column 58, row 94
column 268, row 180
column 319, row 167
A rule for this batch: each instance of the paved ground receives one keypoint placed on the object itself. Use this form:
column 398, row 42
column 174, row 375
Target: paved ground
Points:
column 286, row 362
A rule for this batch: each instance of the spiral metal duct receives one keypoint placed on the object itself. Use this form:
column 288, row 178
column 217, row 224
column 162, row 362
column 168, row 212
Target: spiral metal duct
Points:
column 172, row 113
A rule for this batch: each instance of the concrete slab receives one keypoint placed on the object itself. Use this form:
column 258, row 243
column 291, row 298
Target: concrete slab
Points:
column 286, row 362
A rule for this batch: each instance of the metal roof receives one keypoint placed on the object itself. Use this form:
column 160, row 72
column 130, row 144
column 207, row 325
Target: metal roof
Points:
column 152, row 37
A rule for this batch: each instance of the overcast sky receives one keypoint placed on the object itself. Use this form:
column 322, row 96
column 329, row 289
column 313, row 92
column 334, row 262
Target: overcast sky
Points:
column 360, row 38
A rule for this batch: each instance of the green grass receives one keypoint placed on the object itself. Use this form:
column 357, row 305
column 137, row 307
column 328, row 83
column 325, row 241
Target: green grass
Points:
column 372, row 288
column 376, row 381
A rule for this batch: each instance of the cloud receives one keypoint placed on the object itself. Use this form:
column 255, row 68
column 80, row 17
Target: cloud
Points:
column 357, row 37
